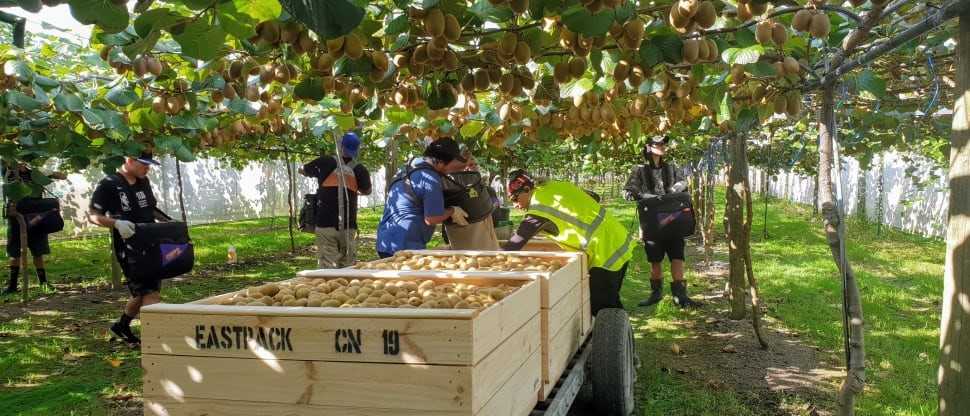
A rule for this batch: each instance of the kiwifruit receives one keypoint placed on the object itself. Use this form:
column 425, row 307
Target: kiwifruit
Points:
column 778, row 34
column 690, row 51
column 762, row 32
column 791, row 66
column 140, row 66
column 305, row 43
column 468, row 83
column 706, row 14
column 153, row 65
column 703, row 54
column 159, row 104
column 616, row 30
column 290, row 32
column 325, row 63
column 481, row 79
column 688, row 8
column 434, row 22
column 451, row 60
column 252, row 93
column 420, row 54
column 527, row 81
column 577, row 67
column 633, row 29
column 595, row 6
column 744, row 12
column 505, row 83
column 757, row 9
column 335, row 47
column 508, row 43
column 793, row 105
column 494, row 75
column 737, row 74
column 353, row 47
column 636, row 76
column 801, row 20
column 678, row 20
column 780, row 104
column 519, row 6
column 560, row 72
column 779, row 69
column 266, row 73
column 713, row 53
column 269, row 31
column 229, row 92
column 523, row 53
column 452, row 28
column 621, row 71
column 105, row 52
column 820, row 26
column 402, row 59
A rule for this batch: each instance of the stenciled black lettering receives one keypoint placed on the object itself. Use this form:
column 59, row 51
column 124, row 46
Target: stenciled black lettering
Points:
column 287, row 342
column 261, row 338
column 226, row 337
column 238, row 331
column 212, row 341
column 199, row 336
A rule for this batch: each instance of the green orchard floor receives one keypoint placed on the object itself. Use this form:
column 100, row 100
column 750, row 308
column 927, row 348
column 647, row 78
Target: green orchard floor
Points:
column 55, row 357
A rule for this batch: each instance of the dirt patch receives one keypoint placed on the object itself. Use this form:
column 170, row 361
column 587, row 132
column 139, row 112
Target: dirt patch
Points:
column 792, row 377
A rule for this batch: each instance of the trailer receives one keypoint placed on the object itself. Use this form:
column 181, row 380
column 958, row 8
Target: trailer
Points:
column 530, row 353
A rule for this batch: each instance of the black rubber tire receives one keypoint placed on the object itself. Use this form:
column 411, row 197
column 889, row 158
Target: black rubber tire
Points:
column 611, row 363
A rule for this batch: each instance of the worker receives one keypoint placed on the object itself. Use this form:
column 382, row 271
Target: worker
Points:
column 467, row 189
column 649, row 184
column 37, row 241
column 415, row 202
column 120, row 201
column 337, row 240
column 576, row 222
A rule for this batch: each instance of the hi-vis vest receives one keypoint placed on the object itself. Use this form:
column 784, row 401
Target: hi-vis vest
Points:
column 347, row 170
column 584, row 225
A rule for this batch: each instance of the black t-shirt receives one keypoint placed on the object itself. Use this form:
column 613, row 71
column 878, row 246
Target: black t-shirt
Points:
column 116, row 198
column 327, row 195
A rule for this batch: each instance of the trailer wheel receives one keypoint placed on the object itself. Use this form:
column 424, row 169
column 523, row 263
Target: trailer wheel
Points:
column 611, row 363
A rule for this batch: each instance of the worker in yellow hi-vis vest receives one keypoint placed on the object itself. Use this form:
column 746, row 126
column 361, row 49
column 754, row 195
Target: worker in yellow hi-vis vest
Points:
column 575, row 220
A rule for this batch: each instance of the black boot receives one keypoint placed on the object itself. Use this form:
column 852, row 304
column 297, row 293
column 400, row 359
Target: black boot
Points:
column 656, row 294
column 42, row 277
column 122, row 330
column 679, row 290
column 12, row 283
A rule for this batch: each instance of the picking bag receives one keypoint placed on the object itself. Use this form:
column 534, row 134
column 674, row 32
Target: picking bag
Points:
column 668, row 218
column 42, row 215
column 159, row 250
column 308, row 214
column 468, row 191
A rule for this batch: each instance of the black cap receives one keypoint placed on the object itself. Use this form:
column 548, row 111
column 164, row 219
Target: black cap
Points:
column 147, row 158
column 445, row 149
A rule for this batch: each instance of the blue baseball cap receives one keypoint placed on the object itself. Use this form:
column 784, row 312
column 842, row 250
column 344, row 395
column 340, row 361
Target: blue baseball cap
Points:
column 350, row 144
column 147, row 158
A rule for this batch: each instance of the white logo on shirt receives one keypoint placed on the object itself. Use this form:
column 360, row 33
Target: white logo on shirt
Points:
column 142, row 199
column 125, row 205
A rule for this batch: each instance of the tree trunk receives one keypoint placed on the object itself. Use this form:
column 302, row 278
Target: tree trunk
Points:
column 390, row 167
column 711, row 209
column 953, row 377
column 861, row 190
column 22, row 223
column 748, row 264
column 835, row 232
column 733, row 213
column 178, row 172
column 289, row 201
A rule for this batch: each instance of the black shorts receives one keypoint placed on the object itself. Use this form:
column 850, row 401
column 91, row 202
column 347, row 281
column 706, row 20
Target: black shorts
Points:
column 673, row 249
column 38, row 243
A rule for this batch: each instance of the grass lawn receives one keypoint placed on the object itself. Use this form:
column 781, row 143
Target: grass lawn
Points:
column 54, row 357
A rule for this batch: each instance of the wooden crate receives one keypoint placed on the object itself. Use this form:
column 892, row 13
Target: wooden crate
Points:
column 562, row 305
column 344, row 361
column 586, row 324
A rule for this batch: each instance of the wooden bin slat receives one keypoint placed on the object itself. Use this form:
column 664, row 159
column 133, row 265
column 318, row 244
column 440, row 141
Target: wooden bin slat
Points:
column 562, row 347
column 517, row 397
column 587, row 322
column 324, row 383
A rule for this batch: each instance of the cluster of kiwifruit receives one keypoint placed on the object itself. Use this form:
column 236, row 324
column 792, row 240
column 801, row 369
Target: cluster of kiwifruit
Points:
column 568, row 70
column 629, row 35
column 687, row 15
column 750, row 8
column 787, row 103
column 172, row 101
column 276, row 34
column 768, row 32
column 578, row 44
column 518, row 6
column 698, row 50
column 147, row 64
column 507, row 50
column 627, row 71
column 813, row 21
column 676, row 96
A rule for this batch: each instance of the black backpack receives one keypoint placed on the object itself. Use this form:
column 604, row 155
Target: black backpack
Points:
column 669, row 217
column 404, row 174
column 159, row 250
column 468, row 191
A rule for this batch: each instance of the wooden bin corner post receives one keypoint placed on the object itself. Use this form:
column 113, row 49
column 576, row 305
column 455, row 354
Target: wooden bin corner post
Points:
column 204, row 358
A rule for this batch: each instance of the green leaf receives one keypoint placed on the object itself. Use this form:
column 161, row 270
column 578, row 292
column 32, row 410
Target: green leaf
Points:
column 397, row 25
column 200, row 40
column 328, row 19
column 576, row 88
column 743, row 56
column 46, row 83
column 121, row 95
column 16, row 191
column 671, row 46
column 345, row 122
column 747, row 120
column 489, row 12
column 142, row 45
column 240, row 17
column 18, row 68
column 167, row 144
column 187, row 121
column 471, row 128
column 869, row 82
column 107, row 15
column 761, row 69
column 241, row 105
column 724, row 109
column 39, row 178
column 155, row 20
column 650, row 55
column 146, row 118
column 547, row 134
column 399, row 115
column 66, row 101
column 309, row 88
column 184, row 154
column 22, row 101
column 579, row 20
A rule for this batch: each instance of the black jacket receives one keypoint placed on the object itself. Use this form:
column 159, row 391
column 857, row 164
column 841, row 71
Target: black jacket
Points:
column 648, row 180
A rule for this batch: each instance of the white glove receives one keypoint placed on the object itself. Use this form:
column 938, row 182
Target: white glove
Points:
column 679, row 187
column 459, row 216
column 125, row 228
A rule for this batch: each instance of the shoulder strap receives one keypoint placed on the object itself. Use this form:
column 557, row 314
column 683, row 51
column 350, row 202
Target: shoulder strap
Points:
column 668, row 175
